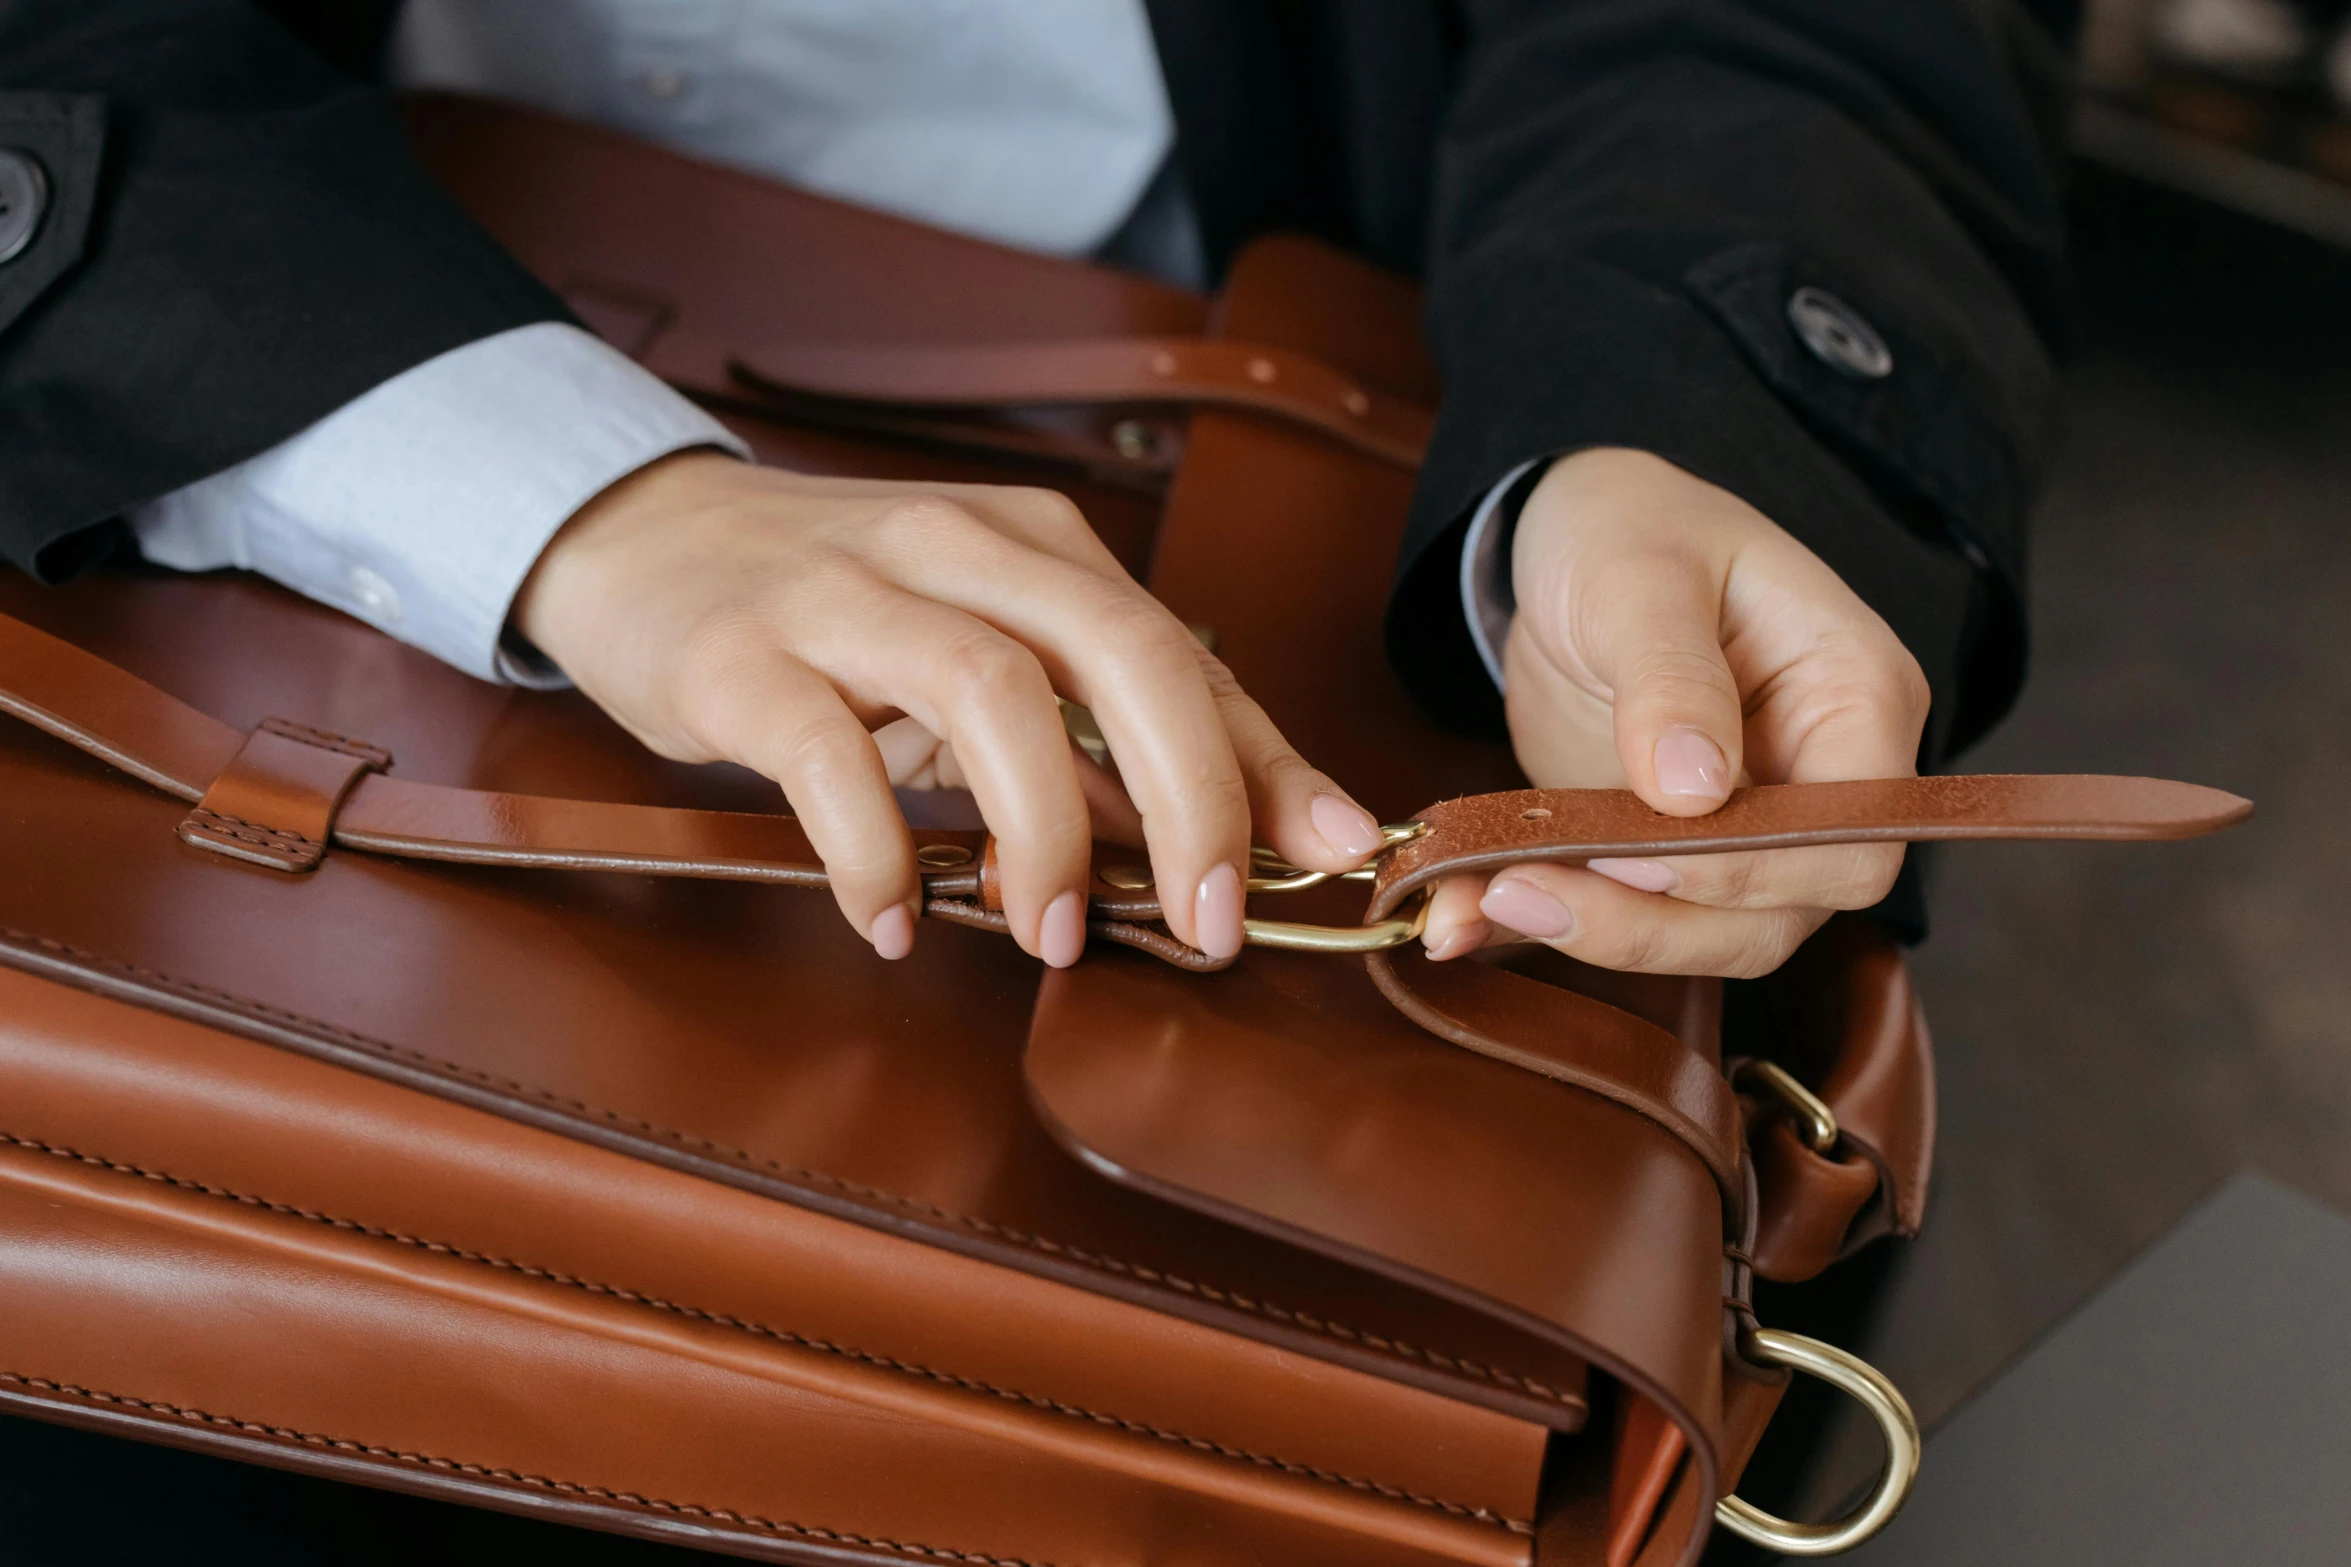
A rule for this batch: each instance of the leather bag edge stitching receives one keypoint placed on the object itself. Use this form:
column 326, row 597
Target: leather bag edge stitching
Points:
column 785, row 1336
column 261, row 1012
column 724, row 1515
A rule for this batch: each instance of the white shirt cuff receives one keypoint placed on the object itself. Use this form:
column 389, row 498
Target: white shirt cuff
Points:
column 421, row 506
column 1488, row 601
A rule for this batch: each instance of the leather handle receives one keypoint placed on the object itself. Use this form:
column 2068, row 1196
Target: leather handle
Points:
column 1189, row 371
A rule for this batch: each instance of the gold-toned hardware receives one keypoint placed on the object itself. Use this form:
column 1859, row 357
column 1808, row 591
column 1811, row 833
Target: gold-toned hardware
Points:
column 1859, row 1380
column 1079, row 722
column 1295, row 881
column 1275, row 874
column 943, row 856
column 1815, row 1121
column 1279, row 875
column 1137, row 440
column 1261, row 371
column 1292, row 937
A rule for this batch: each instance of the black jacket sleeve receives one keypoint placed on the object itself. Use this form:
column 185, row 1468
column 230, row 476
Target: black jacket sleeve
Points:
column 1628, row 195
column 237, row 242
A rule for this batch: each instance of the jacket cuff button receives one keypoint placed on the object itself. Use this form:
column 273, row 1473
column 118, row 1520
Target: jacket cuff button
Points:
column 24, row 196
column 1838, row 335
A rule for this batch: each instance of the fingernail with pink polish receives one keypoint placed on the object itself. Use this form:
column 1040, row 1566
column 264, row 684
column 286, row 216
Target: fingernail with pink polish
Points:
column 1458, row 942
column 1640, row 875
column 1690, row 764
column 1061, row 934
column 1344, row 825
column 1525, row 908
column 893, row 932
column 1216, row 912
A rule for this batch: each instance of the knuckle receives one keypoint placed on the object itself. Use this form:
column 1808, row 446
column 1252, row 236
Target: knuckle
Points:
column 815, row 750
column 926, row 519
column 985, row 669
column 1637, row 945
column 1735, row 883
column 1912, row 693
column 1281, row 770
column 1775, row 941
column 1219, row 795
column 1876, row 678
column 1668, row 674
column 1049, row 510
column 709, row 679
column 1867, row 878
column 1135, row 625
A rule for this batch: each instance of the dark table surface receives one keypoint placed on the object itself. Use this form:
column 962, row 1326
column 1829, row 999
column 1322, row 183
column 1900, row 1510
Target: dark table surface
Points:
column 2195, row 1412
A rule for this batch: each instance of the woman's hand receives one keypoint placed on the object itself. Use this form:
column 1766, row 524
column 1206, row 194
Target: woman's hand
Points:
column 721, row 611
column 1672, row 640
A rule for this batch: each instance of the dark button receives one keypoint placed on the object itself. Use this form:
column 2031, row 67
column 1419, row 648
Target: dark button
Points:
column 24, row 196
column 1839, row 335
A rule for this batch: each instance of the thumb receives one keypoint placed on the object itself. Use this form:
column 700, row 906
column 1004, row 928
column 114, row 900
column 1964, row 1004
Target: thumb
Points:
column 1677, row 709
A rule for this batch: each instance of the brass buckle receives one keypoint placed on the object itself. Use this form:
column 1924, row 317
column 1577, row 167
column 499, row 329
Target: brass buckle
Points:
column 1863, row 1382
column 1272, row 874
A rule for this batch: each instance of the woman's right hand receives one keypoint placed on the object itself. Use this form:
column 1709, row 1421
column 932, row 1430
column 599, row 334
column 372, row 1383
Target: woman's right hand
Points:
column 721, row 611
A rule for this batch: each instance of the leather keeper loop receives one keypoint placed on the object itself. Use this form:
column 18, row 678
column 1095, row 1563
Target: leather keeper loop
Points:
column 274, row 805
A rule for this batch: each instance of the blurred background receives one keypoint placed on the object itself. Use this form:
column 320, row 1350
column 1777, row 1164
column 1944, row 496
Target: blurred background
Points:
column 2244, row 102
column 2119, row 1029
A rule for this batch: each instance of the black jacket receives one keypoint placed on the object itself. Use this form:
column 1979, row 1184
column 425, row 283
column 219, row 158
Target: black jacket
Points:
column 1612, row 202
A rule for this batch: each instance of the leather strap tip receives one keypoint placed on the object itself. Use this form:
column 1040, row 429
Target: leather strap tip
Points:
column 255, row 845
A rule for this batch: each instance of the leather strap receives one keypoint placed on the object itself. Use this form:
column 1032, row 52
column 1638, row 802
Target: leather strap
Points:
column 1147, row 370
column 1552, row 1031
column 1488, row 831
column 155, row 737
column 282, row 795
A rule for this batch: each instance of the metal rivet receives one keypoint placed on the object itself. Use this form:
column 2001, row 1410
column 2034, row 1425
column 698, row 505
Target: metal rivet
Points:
column 1838, row 335
column 943, row 856
column 1355, row 403
column 1126, row 878
column 1261, row 370
column 1136, row 440
column 24, row 197
column 1163, row 364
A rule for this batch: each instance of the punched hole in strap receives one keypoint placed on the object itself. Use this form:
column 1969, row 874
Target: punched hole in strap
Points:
column 274, row 805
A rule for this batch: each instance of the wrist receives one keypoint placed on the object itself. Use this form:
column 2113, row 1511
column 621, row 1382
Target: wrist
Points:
column 597, row 543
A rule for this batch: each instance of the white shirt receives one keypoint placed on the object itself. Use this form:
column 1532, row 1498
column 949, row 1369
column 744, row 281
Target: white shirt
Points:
column 421, row 506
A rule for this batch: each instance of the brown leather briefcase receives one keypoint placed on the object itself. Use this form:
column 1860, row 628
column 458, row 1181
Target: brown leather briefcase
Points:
column 418, row 1083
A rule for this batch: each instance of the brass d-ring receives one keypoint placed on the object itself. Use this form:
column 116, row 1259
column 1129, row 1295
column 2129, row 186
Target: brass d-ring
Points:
column 1857, row 1379
column 1771, row 1081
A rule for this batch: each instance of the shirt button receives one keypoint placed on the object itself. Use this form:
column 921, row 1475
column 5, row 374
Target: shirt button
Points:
column 378, row 600
column 24, row 196
column 1838, row 335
